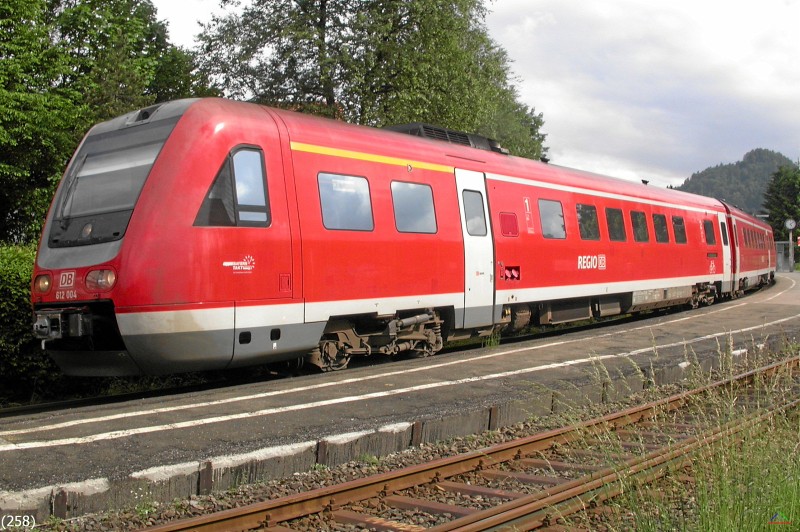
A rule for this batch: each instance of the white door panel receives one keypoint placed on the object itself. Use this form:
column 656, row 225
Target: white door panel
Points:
column 478, row 249
column 727, row 271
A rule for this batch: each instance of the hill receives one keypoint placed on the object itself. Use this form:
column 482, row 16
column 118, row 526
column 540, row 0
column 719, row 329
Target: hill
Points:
column 742, row 183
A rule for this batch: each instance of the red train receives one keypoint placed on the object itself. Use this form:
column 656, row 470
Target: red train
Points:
column 205, row 234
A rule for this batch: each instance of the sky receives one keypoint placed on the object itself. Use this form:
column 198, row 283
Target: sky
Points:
column 654, row 90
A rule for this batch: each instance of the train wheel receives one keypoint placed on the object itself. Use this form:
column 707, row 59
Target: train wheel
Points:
column 329, row 356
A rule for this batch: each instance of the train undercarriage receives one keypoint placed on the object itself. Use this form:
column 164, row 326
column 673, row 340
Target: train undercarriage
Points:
column 418, row 335
column 423, row 333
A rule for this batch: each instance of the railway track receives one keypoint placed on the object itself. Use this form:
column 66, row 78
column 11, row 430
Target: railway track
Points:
column 530, row 482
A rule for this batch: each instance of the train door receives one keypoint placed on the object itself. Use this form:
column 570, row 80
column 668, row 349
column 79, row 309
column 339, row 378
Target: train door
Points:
column 256, row 261
column 478, row 249
column 736, row 255
column 727, row 266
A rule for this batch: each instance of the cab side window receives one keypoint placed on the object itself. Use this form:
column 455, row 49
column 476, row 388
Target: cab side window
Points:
column 251, row 197
column 238, row 195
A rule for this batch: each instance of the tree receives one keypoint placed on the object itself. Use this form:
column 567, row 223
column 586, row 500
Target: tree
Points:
column 67, row 64
column 177, row 77
column 374, row 62
column 118, row 50
column 782, row 200
column 37, row 120
column 281, row 52
column 423, row 60
column 742, row 183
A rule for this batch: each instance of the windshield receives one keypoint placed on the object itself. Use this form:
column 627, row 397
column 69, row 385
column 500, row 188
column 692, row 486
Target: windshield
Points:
column 101, row 189
column 108, row 182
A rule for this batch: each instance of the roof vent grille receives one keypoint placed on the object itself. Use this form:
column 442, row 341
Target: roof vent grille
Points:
column 429, row 131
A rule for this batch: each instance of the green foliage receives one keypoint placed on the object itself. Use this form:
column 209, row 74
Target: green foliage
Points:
column 23, row 365
column 376, row 62
column 36, row 120
column 281, row 52
column 782, row 200
column 742, row 184
column 67, row 64
column 119, row 54
column 177, row 77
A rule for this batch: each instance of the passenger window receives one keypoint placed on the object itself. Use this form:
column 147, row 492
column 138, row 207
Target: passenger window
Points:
column 551, row 215
column 473, row 212
column 242, row 172
column 639, row 223
column 345, row 202
column 508, row 224
column 708, row 228
column 413, row 208
column 679, row 229
column 587, row 222
column 660, row 227
column 616, row 225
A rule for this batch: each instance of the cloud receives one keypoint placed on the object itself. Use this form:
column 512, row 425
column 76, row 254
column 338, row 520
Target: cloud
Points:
column 656, row 90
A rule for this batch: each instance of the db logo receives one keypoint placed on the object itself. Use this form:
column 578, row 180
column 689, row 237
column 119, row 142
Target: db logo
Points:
column 66, row 280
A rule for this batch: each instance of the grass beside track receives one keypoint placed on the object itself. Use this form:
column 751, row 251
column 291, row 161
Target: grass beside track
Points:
column 752, row 484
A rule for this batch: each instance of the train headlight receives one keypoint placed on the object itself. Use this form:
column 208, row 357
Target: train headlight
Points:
column 101, row 280
column 42, row 283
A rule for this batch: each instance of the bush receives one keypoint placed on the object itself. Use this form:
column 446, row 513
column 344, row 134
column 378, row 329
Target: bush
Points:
column 24, row 368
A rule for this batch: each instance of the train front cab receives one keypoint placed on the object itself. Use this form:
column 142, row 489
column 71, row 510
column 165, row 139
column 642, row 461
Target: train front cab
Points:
column 203, row 264
column 77, row 269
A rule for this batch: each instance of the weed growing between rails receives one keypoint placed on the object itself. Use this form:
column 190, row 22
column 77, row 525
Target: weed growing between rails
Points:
column 493, row 340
